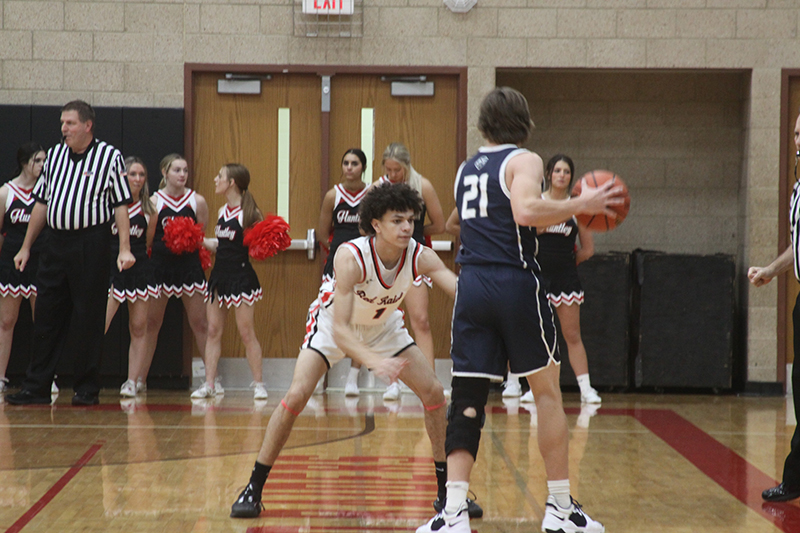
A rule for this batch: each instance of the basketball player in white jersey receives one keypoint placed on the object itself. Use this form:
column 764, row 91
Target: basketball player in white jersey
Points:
column 358, row 315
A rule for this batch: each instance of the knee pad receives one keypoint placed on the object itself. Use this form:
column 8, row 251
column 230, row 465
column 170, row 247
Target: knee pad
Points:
column 463, row 431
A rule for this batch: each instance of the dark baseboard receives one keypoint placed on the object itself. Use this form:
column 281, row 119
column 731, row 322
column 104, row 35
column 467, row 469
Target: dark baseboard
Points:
column 762, row 388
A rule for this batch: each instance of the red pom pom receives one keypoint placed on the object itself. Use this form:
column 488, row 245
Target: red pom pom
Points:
column 267, row 238
column 183, row 235
column 205, row 258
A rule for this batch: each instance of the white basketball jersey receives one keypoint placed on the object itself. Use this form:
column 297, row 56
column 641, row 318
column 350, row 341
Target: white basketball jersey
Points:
column 381, row 290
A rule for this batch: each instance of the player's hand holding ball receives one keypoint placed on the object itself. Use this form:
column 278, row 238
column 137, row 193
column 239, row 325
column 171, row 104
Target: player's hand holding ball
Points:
column 606, row 198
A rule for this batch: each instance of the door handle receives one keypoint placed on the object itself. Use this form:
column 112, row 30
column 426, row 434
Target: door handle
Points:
column 309, row 244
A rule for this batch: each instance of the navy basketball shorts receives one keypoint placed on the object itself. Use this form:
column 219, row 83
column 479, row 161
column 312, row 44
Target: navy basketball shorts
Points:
column 501, row 317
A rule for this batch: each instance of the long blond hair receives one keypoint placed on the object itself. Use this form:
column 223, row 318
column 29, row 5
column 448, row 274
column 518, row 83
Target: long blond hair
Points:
column 144, row 194
column 166, row 162
column 399, row 153
column 251, row 214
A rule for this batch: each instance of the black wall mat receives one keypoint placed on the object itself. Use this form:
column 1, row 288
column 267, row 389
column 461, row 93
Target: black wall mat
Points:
column 150, row 134
column 605, row 319
column 16, row 130
column 685, row 320
column 46, row 125
column 108, row 126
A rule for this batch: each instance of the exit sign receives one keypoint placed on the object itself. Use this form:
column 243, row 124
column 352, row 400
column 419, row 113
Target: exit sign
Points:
column 328, row 7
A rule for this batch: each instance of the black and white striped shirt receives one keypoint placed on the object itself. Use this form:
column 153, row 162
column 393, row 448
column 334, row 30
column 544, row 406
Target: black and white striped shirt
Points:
column 82, row 190
column 794, row 227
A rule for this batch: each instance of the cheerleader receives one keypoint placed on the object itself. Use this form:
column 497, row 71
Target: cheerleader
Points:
column 180, row 276
column 16, row 204
column 397, row 169
column 558, row 256
column 134, row 285
column 233, row 282
column 338, row 223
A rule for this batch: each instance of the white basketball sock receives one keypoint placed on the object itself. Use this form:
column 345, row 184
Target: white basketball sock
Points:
column 584, row 383
column 456, row 496
column 559, row 490
column 352, row 377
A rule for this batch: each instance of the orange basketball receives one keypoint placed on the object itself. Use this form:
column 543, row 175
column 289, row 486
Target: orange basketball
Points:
column 600, row 223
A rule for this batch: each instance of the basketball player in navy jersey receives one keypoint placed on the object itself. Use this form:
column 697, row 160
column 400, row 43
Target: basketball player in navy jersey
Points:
column 501, row 314
column 357, row 314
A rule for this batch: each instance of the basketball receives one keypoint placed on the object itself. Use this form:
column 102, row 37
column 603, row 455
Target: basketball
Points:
column 601, row 223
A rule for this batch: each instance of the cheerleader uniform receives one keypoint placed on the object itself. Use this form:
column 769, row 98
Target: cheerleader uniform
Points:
column 135, row 283
column 233, row 280
column 556, row 257
column 175, row 274
column 345, row 223
column 19, row 205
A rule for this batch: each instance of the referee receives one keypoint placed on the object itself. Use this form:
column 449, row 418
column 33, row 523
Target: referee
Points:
column 789, row 488
column 82, row 185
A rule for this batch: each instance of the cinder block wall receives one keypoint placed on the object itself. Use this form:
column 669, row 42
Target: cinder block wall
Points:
column 676, row 138
column 131, row 53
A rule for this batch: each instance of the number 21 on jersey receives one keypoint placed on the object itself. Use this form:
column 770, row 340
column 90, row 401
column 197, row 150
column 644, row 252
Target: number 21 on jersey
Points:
column 475, row 188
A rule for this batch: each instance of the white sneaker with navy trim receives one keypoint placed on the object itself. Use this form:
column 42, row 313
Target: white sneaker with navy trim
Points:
column 445, row 523
column 570, row 520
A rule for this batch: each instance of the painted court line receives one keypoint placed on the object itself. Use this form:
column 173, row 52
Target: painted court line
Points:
column 54, row 490
column 721, row 464
column 724, row 466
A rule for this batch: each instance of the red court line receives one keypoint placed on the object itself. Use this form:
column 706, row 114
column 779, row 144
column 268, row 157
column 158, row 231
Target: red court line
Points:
column 54, row 490
column 724, row 466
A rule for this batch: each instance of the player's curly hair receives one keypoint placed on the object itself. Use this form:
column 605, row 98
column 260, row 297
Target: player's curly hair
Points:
column 385, row 197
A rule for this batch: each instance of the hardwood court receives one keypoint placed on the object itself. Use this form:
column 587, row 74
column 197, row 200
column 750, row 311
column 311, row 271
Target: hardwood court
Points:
column 639, row 464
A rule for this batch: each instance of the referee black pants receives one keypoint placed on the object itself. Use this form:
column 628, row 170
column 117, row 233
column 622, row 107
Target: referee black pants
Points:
column 71, row 308
column 791, row 468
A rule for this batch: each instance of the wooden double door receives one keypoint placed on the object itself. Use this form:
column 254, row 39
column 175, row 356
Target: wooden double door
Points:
column 292, row 136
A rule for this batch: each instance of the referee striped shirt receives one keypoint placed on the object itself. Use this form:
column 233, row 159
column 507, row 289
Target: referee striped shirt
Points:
column 794, row 227
column 82, row 190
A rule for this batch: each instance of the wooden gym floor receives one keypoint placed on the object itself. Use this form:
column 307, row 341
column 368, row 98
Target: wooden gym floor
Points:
column 640, row 464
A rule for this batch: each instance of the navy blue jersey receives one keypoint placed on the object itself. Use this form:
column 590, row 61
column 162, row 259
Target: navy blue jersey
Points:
column 489, row 234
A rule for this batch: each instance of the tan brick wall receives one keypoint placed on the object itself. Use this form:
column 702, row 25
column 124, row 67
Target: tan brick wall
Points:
column 129, row 52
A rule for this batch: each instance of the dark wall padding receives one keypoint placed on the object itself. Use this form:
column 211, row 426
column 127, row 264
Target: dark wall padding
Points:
column 151, row 134
column 148, row 133
column 15, row 130
column 605, row 319
column 685, row 320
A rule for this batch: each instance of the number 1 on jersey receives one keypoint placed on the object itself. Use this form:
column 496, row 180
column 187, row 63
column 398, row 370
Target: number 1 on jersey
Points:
column 378, row 313
column 476, row 189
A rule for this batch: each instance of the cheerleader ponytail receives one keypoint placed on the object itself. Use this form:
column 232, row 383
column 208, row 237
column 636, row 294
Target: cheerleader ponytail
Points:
column 251, row 214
